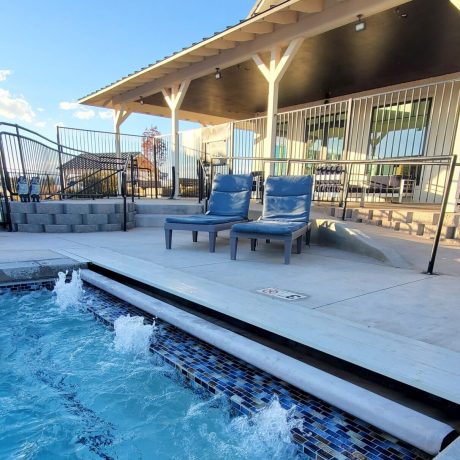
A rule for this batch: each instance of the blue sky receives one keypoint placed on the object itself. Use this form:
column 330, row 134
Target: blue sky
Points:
column 53, row 53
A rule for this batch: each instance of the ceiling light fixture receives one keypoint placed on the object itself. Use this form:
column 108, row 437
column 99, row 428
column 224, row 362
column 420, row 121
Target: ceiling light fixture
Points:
column 218, row 75
column 141, row 100
column 360, row 25
column 401, row 14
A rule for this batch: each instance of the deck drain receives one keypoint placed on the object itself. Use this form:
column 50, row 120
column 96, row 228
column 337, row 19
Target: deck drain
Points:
column 281, row 294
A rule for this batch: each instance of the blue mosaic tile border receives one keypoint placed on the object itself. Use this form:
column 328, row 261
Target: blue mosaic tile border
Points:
column 327, row 432
column 28, row 286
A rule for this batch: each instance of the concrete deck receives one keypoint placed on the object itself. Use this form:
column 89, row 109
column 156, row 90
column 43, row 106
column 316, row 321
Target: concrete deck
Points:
column 397, row 322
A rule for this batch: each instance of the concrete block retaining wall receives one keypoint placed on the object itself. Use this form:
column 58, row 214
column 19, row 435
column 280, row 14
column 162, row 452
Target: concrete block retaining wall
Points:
column 58, row 217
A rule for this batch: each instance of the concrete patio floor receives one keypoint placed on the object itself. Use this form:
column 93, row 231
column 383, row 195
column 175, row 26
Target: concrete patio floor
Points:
column 397, row 322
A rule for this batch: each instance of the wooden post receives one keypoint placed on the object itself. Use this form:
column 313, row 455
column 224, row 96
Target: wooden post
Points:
column 174, row 97
column 273, row 73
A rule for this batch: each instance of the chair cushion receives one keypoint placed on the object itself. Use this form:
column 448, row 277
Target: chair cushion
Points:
column 269, row 227
column 288, row 197
column 230, row 195
column 202, row 219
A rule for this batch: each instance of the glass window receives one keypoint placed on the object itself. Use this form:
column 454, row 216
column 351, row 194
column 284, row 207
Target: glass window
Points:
column 325, row 135
column 399, row 130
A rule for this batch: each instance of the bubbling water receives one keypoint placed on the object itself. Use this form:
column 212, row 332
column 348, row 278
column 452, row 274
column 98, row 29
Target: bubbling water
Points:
column 269, row 431
column 132, row 335
column 68, row 294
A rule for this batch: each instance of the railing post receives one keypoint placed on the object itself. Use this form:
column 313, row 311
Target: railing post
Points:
column 445, row 199
column 5, row 186
column 132, row 178
column 61, row 172
column 173, row 185
column 21, row 153
column 346, row 151
column 123, row 190
column 155, row 166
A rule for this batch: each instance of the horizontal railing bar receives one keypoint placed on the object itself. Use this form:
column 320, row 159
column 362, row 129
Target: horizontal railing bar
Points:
column 438, row 160
column 101, row 132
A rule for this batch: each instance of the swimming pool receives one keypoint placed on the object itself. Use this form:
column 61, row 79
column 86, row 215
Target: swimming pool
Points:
column 71, row 387
column 67, row 391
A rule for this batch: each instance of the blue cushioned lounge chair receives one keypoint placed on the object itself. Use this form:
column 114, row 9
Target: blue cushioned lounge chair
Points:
column 285, row 215
column 228, row 204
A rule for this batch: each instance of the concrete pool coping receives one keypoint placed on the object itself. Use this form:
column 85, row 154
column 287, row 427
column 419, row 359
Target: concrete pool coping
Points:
column 406, row 424
column 421, row 365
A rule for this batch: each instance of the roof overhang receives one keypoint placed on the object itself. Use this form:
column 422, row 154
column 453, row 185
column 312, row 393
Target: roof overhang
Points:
column 232, row 49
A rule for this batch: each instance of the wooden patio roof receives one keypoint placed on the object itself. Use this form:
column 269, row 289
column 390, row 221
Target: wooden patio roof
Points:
column 333, row 58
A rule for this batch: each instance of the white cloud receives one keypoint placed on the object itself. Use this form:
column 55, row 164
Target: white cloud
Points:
column 40, row 109
column 106, row 115
column 15, row 108
column 59, row 123
column 84, row 114
column 69, row 105
column 40, row 124
column 4, row 74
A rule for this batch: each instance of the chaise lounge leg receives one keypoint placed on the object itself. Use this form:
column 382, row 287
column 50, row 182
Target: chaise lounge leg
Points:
column 253, row 244
column 267, row 241
column 168, row 238
column 233, row 247
column 307, row 237
column 212, row 241
column 299, row 244
column 195, row 236
column 287, row 251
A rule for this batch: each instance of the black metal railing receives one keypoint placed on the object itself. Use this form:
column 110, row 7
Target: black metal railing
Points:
column 61, row 172
column 359, row 182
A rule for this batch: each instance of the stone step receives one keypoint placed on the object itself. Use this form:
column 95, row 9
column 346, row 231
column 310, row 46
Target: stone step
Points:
column 169, row 208
column 150, row 220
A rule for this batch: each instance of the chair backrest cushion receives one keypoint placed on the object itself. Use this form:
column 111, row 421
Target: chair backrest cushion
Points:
column 288, row 197
column 230, row 195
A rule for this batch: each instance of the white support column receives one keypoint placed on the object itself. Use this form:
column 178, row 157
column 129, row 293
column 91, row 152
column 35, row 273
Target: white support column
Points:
column 174, row 97
column 273, row 73
column 119, row 117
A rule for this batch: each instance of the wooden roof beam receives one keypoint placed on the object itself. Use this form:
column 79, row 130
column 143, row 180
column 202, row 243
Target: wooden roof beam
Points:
column 260, row 27
column 160, row 111
column 240, row 36
column 308, row 6
column 307, row 26
column 283, row 17
column 191, row 58
column 221, row 44
column 205, row 52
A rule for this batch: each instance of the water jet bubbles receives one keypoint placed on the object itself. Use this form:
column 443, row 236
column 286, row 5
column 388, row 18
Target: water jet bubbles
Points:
column 132, row 335
column 268, row 431
column 68, row 294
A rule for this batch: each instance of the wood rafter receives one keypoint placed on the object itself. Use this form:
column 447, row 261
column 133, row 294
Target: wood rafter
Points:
column 308, row 26
column 308, row 6
column 283, row 17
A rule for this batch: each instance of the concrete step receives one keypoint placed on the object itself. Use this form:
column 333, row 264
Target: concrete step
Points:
column 169, row 208
column 150, row 220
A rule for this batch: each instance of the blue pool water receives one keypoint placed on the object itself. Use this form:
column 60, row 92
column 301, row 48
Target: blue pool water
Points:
column 70, row 387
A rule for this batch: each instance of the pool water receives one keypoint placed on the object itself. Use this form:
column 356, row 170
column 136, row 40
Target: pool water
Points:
column 70, row 387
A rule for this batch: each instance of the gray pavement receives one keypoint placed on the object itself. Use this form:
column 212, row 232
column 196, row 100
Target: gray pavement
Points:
column 353, row 304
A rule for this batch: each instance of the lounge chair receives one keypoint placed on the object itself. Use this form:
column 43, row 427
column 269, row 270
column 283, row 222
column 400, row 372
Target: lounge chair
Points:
column 228, row 204
column 285, row 215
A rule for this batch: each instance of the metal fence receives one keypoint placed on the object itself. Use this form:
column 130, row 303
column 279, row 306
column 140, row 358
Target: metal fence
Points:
column 60, row 171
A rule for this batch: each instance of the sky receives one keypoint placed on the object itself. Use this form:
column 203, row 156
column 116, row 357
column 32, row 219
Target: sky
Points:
column 54, row 52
